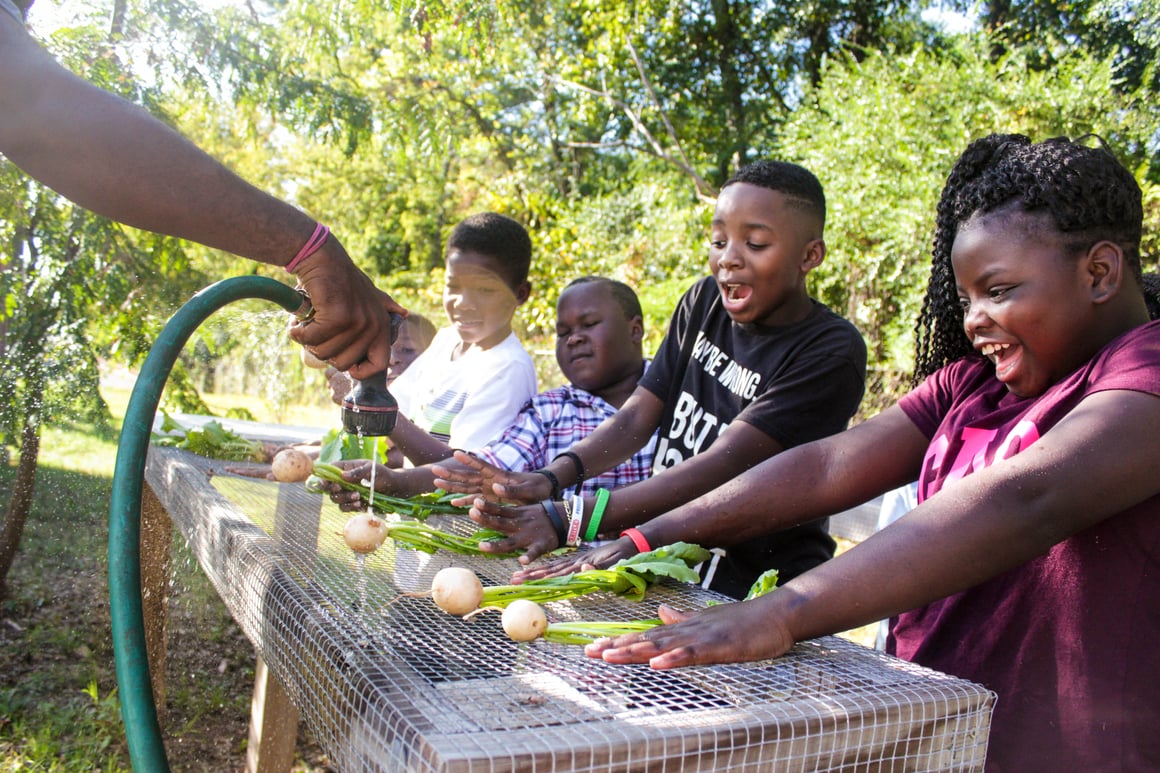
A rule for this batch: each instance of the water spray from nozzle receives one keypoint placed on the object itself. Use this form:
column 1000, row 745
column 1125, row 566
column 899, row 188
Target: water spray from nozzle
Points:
column 370, row 410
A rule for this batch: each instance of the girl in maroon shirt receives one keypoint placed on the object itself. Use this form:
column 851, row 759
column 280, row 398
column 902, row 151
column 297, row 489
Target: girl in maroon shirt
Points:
column 1032, row 562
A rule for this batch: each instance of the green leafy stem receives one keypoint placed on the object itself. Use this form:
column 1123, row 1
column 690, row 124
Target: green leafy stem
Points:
column 428, row 539
column 419, row 506
column 629, row 578
column 585, row 632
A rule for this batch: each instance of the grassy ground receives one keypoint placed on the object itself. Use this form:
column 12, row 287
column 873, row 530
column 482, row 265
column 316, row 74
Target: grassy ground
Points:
column 58, row 702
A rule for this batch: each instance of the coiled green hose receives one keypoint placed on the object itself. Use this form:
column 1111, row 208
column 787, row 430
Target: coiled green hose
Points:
column 138, row 710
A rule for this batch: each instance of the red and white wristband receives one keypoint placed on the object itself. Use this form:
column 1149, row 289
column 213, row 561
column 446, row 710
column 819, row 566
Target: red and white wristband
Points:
column 316, row 240
column 576, row 520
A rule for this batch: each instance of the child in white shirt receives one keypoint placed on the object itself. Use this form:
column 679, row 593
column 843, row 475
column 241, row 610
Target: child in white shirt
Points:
column 470, row 383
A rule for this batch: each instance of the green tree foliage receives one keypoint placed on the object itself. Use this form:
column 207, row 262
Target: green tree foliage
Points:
column 882, row 134
column 606, row 128
column 1128, row 31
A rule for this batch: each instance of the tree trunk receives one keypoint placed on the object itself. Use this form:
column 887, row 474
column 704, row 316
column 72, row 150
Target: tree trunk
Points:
column 20, row 502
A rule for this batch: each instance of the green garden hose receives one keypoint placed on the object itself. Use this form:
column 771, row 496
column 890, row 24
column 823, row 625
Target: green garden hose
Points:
column 138, row 710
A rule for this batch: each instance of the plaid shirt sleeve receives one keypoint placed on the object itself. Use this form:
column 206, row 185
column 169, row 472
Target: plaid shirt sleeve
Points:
column 523, row 445
column 549, row 424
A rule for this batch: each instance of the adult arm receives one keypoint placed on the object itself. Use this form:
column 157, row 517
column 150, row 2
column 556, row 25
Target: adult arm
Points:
column 112, row 157
column 1097, row 462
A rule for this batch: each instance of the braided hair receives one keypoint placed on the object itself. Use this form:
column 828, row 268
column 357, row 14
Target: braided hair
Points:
column 1088, row 194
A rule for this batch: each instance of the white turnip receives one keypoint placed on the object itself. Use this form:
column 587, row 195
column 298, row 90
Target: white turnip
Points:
column 291, row 466
column 524, row 620
column 456, row 590
column 364, row 532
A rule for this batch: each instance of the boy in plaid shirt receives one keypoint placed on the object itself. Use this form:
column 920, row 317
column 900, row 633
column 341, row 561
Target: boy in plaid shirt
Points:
column 599, row 335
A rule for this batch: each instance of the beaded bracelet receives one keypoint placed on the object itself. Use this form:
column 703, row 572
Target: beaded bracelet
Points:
column 638, row 539
column 597, row 513
column 557, row 523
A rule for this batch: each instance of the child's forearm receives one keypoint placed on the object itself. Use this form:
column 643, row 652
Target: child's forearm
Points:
column 417, row 445
column 408, row 482
column 992, row 520
column 797, row 486
column 729, row 457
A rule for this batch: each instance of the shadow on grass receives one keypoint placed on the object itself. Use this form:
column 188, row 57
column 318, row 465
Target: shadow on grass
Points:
column 57, row 682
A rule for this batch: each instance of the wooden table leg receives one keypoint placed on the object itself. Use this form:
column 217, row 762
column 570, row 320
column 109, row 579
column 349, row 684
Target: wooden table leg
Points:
column 273, row 718
column 156, row 559
column 273, row 725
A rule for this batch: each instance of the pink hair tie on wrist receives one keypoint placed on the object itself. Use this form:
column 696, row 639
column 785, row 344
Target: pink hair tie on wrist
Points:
column 316, row 240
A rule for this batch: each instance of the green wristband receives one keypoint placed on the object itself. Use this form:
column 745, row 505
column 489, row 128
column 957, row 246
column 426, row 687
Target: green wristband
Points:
column 597, row 513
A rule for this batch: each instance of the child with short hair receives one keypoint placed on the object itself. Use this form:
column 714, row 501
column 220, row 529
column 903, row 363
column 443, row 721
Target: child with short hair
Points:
column 1030, row 563
column 470, row 383
column 415, row 334
column 599, row 348
column 750, row 365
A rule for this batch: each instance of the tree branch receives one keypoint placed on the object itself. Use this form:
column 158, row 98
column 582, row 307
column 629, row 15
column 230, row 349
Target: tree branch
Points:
column 704, row 189
column 705, row 192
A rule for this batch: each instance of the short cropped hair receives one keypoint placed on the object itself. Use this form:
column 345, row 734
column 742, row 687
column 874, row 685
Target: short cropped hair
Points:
column 798, row 184
column 498, row 237
column 422, row 330
column 624, row 295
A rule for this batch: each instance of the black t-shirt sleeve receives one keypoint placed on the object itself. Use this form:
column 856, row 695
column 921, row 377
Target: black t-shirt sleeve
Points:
column 818, row 395
column 18, row 10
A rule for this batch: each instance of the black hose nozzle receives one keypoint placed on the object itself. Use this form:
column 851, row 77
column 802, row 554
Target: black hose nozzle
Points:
column 370, row 410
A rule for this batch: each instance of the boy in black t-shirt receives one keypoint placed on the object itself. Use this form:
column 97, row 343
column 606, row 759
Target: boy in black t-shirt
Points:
column 747, row 351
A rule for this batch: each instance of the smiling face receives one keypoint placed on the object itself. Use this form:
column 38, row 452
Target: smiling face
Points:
column 1029, row 301
column 479, row 302
column 761, row 248
column 597, row 343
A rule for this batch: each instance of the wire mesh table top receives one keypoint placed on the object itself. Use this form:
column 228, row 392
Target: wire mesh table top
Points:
column 388, row 682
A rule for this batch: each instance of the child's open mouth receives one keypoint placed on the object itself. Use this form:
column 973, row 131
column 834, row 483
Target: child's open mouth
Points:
column 1003, row 358
column 736, row 293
